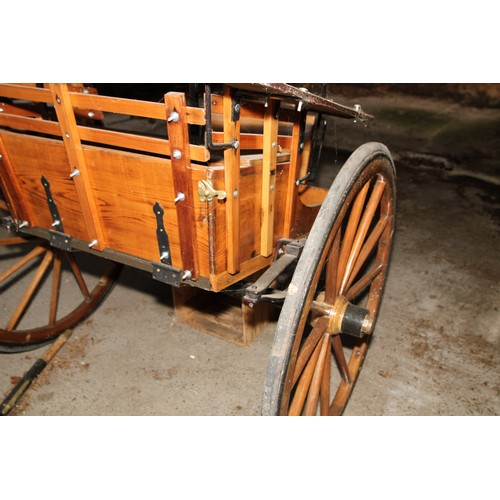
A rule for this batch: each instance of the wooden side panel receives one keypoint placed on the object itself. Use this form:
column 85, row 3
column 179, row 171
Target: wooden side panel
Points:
column 30, row 158
column 11, row 188
column 126, row 186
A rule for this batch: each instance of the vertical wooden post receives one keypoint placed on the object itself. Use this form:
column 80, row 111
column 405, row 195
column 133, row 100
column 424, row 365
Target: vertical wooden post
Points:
column 293, row 174
column 270, row 149
column 71, row 138
column 232, row 184
column 178, row 136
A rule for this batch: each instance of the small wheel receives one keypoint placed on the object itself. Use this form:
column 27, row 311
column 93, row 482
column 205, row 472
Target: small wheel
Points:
column 334, row 297
column 49, row 291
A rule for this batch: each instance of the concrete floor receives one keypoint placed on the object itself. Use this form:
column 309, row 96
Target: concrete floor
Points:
column 435, row 351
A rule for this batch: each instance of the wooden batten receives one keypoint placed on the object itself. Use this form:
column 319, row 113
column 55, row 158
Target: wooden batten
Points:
column 71, row 138
column 291, row 192
column 25, row 93
column 270, row 150
column 175, row 102
column 232, row 184
column 29, row 124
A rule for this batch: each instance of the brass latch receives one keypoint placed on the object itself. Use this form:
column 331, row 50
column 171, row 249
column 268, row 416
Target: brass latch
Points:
column 208, row 193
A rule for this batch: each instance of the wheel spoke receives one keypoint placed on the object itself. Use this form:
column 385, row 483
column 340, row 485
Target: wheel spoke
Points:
column 21, row 307
column 344, row 389
column 331, row 270
column 304, row 383
column 308, row 347
column 56, row 284
column 363, row 282
column 21, row 263
column 325, row 387
column 315, row 386
column 16, row 240
column 367, row 248
column 364, row 225
column 350, row 232
column 78, row 275
column 338, row 353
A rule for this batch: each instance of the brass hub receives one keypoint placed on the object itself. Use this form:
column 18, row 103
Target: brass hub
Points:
column 344, row 317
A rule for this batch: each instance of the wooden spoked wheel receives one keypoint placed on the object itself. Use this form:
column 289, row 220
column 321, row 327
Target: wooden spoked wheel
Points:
column 334, row 297
column 45, row 291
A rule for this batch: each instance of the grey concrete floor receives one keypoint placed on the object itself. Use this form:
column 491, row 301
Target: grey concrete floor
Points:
column 435, row 350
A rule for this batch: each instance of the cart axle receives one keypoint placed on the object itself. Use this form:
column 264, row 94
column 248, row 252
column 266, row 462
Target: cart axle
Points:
column 345, row 317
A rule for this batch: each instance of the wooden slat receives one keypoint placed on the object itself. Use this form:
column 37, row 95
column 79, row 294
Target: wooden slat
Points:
column 179, row 141
column 71, row 138
column 146, row 109
column 24, row 123
column 20, row 110
column 269, row 178
column 232, row 185
column 25, row 93
column 291, row 192
column 138, row 142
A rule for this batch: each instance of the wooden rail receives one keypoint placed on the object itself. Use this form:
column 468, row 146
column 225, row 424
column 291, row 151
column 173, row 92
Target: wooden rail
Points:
column 78, row 100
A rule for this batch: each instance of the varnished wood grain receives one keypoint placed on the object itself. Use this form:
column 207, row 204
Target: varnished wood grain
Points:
column 30, row 158
column 270, row 149
column 71, row 139
column 232, row 184
column 181, row 172
column 25, row 93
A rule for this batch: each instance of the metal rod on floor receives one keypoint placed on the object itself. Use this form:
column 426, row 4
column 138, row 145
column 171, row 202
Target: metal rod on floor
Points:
column 22, row 386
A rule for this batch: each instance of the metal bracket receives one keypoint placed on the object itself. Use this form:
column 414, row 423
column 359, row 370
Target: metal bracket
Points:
column 167, row 274
column 56, row 218
column 235, row 114
column 302, row 131
column 289, row 253
column 208, row 193
column 161, row 235
column 60, row 240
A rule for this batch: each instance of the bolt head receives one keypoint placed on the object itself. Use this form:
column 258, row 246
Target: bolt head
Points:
column 91, row 114
column 176, row 154
column 236, row 144
column 173, row 117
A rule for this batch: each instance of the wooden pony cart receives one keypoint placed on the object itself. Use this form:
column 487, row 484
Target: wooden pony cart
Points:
column 211, row 192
